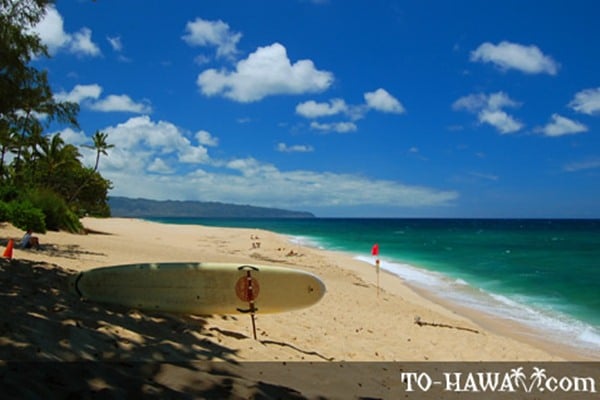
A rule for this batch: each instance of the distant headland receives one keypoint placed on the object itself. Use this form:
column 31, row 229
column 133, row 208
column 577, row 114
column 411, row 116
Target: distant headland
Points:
column 141, row 208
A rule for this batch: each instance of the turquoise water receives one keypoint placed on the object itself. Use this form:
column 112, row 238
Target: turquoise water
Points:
column 543, row 273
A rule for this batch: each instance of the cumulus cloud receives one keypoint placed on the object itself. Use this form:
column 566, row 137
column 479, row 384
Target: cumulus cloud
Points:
column 248, row 181
column 201, row 32
column 80, row 93
column 266, row 72
column 159, row 166
column 507, row 55
column 489, row 110
column 587, row 101
column 89, row 97
column 139, row 141
column 73, row 137
column 51, row 32
column 312, row 109
column 121, row 103
column 206, row 139
column 153, row 159
column 500, row 120
column 381, row 100
column 560, row 126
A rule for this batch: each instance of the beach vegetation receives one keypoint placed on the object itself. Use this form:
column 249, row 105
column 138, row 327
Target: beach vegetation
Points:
column 24, row 215
column 4, row 212
column 40, row 174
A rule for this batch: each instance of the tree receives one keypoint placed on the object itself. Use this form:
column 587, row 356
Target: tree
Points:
column 100, row 146
column 26, row 99
column 44, row 173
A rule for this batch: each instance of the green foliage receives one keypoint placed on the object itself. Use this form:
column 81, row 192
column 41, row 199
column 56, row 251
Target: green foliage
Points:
column 44, row 176
column 4, row 212
column 54, row 208
column 90, row 198
column 25, row 216
column 8, row 192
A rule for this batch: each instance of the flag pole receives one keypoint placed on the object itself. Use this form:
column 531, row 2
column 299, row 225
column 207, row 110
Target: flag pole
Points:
column 375, row 253
column 377, row 265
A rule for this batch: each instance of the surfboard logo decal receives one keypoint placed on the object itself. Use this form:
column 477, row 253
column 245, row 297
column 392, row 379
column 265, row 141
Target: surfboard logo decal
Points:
column 247, row 288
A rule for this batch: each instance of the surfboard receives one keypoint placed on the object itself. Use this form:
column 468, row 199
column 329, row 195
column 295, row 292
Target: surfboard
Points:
column 201, row 288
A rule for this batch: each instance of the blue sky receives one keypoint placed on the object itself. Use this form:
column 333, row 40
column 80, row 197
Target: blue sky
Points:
column 343, row 108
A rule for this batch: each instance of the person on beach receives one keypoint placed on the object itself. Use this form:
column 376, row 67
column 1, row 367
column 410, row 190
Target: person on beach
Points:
column 29, row 241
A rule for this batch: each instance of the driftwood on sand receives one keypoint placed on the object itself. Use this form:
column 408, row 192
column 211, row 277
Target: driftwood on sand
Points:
column 420, row 322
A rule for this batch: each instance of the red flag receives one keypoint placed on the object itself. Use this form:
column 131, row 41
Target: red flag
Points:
column 375, row 250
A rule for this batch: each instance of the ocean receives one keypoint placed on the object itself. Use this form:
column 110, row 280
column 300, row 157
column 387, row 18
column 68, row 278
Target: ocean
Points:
column 544, row 274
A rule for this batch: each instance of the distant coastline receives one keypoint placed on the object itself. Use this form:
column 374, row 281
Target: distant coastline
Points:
column 144, row 208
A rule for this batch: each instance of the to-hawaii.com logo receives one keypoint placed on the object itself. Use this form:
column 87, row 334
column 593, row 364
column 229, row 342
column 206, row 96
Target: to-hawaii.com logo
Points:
column 515, row 380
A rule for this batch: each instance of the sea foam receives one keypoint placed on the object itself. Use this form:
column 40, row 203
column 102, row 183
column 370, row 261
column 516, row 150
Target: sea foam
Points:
column 522, row 310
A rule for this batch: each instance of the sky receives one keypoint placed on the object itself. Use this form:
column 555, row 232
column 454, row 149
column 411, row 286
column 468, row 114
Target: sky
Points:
column 344, row 108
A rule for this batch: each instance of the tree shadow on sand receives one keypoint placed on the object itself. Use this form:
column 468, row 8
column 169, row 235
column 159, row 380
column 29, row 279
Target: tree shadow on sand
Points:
column 71, row 251
column 53, row 345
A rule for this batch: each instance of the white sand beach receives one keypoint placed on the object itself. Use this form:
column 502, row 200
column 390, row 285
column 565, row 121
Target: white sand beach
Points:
column 41, row 320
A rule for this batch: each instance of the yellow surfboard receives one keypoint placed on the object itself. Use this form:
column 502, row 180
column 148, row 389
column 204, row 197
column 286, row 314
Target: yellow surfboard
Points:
column 201, row 288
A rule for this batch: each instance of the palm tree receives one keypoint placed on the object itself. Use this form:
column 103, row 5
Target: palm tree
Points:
column 53, row 155
column 100, row 146
column 7, row 141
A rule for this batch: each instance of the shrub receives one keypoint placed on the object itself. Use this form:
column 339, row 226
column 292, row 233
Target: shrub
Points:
column 57, row 214
column 71, row 222
column 25, row 216
column 4, row 212
column 8, row 192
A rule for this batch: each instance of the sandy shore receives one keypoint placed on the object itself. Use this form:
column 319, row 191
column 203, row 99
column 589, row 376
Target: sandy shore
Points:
column 42, row 321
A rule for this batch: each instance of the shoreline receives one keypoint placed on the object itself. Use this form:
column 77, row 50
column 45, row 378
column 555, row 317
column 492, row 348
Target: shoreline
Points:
column 503, row 326
column 351, row 323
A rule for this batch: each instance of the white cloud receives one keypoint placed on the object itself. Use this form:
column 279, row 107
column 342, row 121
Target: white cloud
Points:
column 206, row 139
column 89, row 96
column 312, row 109
column 212, row 33
column 144, row 140
column 489, row 110
column 80, row 93
column 151, row 159
column 500, row 120
column 159, row 166
column 587, row 101
column 339, row 127
column 248, row 181
column 561, row 126
column 507, row 55
column 51, row 31
column 298, row 148
column 381, row 100
column 266, row 72
column 74, row 137
column 121, row 103
column 81, row 43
